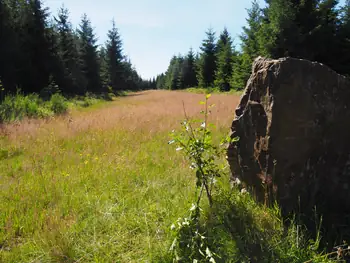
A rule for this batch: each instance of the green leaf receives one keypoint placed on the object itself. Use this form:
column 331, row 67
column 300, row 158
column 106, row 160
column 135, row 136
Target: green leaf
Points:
column 208, row 96
column 201, row 102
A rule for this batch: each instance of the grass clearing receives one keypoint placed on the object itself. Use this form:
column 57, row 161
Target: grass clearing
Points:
column 103, row 185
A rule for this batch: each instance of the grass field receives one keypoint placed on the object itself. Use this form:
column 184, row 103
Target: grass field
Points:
column 100, row 185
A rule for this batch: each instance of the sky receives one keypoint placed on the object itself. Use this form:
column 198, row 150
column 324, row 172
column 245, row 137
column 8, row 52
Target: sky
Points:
column 154, row 30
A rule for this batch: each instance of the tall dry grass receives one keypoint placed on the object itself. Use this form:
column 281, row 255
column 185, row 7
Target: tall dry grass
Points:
column 153, row 111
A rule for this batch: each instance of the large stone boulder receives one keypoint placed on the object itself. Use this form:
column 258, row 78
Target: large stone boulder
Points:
column 293, row 124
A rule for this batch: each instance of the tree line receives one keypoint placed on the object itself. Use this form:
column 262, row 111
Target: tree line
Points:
column 41, row 53
column 317, row 30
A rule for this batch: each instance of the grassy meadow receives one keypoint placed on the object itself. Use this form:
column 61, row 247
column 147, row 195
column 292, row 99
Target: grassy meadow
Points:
column 100, row 185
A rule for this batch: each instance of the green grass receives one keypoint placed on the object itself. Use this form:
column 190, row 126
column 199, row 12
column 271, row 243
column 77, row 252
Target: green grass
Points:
column 199, row 90
column 84, row 198
column 111, row 196
column 240, row 230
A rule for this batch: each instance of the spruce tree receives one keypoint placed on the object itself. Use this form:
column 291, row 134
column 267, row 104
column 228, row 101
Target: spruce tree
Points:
column 252, row 47
column 114, row 59
column 224, row 69
column 173, row 73
column 180, row 84
column 189, row 70
column 35, row 43
column 224, row 39
column 160, row 81
column 207, row 61
column 169, row 74
column 89, row 55
column 73, row 80
column 325, row 37
column 9, row 48
column 224, row 61
column 104, row 76
column 130, row 76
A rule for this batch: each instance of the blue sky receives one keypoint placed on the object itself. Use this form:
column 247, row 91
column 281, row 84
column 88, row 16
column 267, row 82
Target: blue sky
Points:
column 154, row 30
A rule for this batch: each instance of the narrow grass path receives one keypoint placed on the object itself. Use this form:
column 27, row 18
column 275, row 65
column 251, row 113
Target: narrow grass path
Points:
column 100, row 185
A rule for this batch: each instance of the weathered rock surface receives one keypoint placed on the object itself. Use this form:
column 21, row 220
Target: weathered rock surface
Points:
column 294, row 127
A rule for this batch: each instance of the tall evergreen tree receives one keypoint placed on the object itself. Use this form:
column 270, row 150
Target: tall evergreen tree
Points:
column 160, row 81
column 296, row 28
column 130, row 76
column 8, row 47
column 173, row 73
column 207, row 61
column 224, row 39
column 189, row 70
column 327, row 33
column 89, row 55
column 224, row 61
column 114, row 59
column 181, row 69
column 277, row 27
column 102, row 58
column 251, row 46
column 73, row 80
column 35, row 43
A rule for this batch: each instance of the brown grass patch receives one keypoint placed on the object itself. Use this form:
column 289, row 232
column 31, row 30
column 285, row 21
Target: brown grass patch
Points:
column 149, row 111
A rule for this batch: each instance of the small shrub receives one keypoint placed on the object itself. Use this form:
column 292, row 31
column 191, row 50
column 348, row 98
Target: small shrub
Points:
column 32, row 104
column 89, row 101
column 44, row 112
column 6, row 109
column 19, row 106
column 58, row 104
column 195, row 140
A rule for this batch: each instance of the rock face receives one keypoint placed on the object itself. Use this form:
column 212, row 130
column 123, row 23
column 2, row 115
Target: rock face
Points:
column 293, row 122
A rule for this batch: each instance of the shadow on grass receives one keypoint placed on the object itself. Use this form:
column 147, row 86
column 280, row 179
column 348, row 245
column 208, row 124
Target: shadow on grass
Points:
column 238, row 229
column 237, row 234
